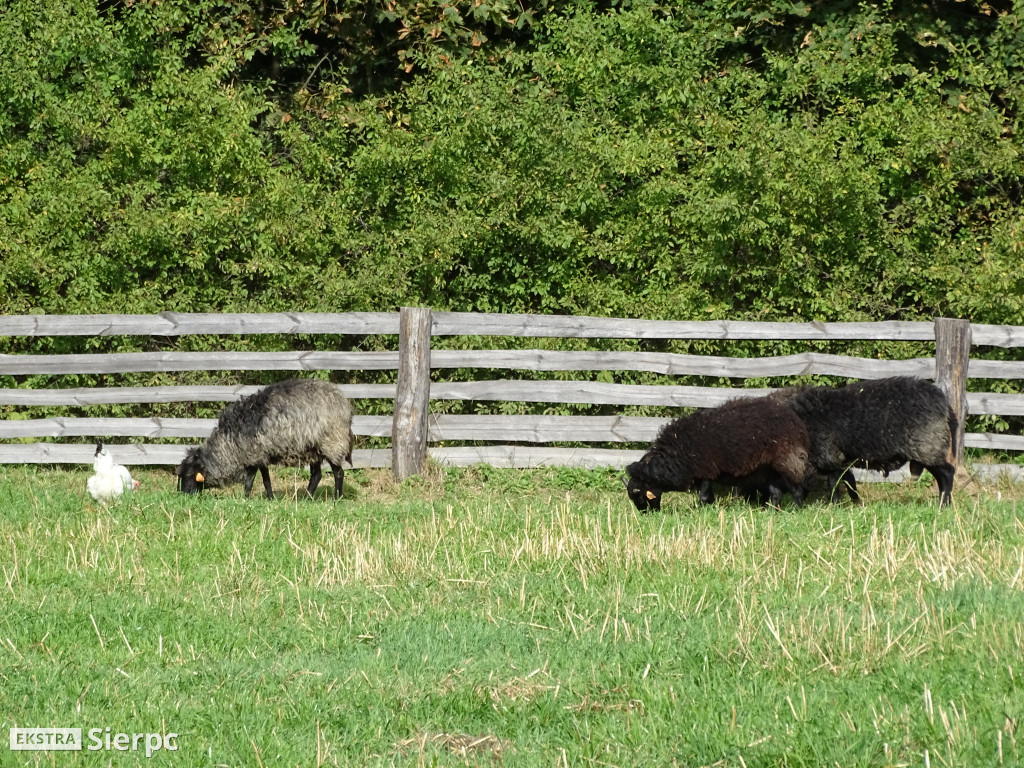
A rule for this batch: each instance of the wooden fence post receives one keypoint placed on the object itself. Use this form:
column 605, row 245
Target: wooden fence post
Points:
column 952, row 356
column 412, row 401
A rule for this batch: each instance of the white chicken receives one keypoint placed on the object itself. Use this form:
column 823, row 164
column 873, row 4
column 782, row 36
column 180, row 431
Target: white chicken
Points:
column 110, row 480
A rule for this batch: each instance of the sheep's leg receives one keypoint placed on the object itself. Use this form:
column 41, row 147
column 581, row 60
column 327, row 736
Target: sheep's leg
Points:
column 944, row 473
column 250, row 475
column 265, row 472
column 799, row 493
column 790, row 478
column 833, row 479
column 774, row 494
column 837, row 480
column 339, row 478
column 315, row 473
column 850, row 482
column 705, row 493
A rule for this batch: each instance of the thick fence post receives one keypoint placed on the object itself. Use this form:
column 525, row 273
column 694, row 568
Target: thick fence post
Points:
column 412, row 401
column 952, row 356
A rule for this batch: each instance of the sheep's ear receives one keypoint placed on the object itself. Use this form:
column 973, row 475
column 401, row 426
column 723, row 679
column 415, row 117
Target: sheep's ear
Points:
column 200, row 478
column 651, row 496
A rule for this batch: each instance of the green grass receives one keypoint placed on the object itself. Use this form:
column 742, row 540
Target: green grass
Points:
column 485, row 617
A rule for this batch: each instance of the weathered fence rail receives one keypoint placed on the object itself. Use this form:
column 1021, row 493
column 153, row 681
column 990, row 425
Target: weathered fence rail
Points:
column 516, row 440
column 476, row 324
column 810, row 363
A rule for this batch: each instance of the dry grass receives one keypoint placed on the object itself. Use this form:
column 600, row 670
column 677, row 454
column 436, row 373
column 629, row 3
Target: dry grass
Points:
column 462, row 745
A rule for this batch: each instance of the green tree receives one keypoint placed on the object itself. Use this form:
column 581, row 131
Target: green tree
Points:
column 708, row 160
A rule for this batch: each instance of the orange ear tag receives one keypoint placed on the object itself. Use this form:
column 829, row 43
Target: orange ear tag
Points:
column 200, row 478
column 651, row 496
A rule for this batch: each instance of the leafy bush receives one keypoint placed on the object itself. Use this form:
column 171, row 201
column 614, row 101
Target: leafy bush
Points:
column 782, row 161
column 764, row 161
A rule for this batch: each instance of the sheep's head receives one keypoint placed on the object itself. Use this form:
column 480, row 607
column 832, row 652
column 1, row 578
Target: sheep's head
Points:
column 644, row 497
column 655, row 473
column 190, row 473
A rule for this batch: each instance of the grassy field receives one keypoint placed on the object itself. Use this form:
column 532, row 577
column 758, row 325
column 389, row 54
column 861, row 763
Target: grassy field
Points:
column 485, row 617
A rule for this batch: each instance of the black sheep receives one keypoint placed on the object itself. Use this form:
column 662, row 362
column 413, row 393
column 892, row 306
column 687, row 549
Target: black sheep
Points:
column 724, row 444
column 881, row 425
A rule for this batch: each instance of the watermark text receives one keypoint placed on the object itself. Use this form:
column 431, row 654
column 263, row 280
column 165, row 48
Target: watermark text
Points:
column 96, row 739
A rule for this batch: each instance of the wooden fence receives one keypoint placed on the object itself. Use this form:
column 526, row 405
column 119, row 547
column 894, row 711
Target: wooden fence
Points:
column 510, row 440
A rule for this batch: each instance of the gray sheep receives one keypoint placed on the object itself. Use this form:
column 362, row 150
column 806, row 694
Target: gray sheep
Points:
column 881, row 425
column 724, row 444
column 293, row 422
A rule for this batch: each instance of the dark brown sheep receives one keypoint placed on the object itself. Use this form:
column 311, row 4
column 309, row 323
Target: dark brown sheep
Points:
column 724, row 444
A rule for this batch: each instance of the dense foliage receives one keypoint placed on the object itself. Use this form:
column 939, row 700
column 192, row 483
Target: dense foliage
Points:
column 766, row 161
